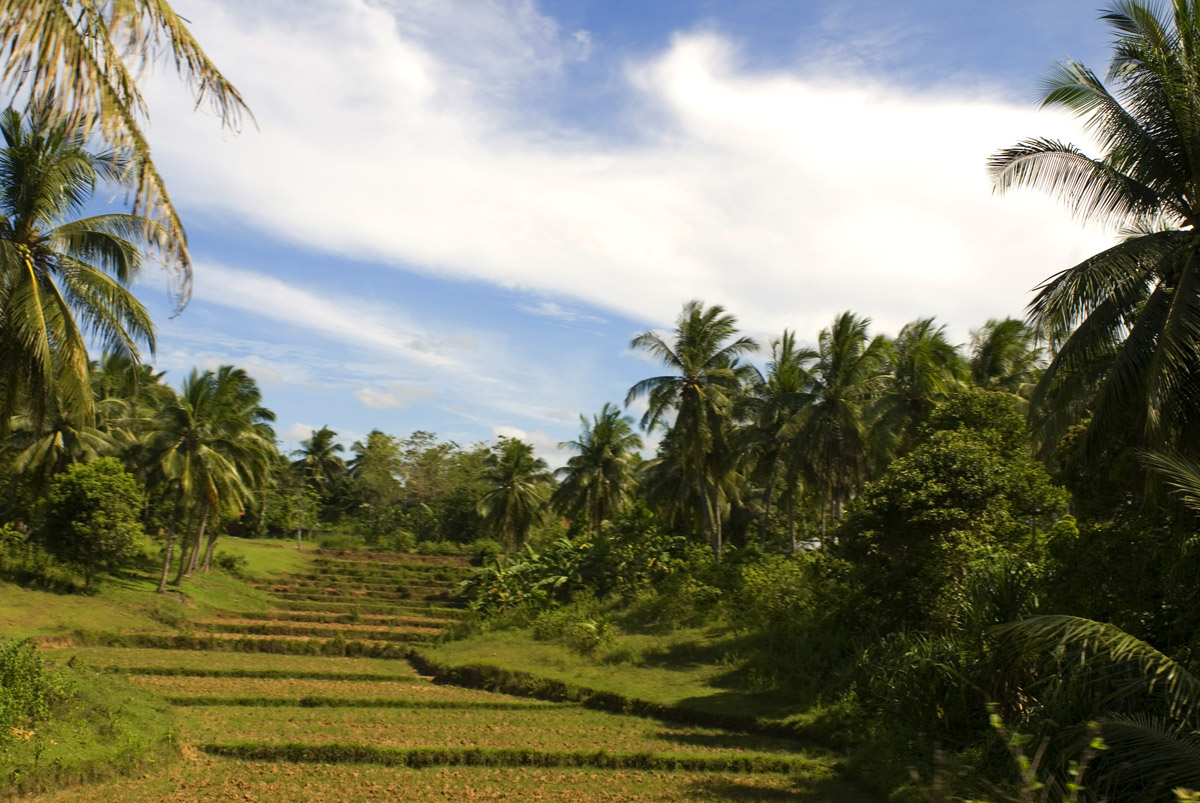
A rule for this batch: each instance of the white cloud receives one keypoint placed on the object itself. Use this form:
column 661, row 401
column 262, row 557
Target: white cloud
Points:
column 785, row 197
column 395, row 396
column 556, row 311
column 353, row 320
column 543, row 445
column 298, row 432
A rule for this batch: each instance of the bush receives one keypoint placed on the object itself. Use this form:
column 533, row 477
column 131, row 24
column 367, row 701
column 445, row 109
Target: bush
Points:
column 234, row 564
column 339, row 541
column 27, row 690
column 90, row 516
column 28, row 564
column 438, row 548
column 397, row 541
column 483, row 548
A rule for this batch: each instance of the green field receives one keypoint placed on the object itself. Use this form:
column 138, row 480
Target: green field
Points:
column 263, row 726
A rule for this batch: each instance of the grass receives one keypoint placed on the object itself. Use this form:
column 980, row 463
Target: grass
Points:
column 127, row 601
column 188, row 660
column 543, row 728
column 105, row 726
column 411, row 691
column 212, row 778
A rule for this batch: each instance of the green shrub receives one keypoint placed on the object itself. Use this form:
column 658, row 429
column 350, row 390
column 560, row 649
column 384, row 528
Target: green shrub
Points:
column 340, row 541
column 397, row 541
column 27, row 690
column 438, row 548
column 483, row 548
column 28, row 564
column 234, row 564
column 90, row 516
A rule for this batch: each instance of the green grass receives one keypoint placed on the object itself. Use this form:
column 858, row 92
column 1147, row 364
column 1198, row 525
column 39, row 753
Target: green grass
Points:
column 212, row 778
column 546, row 728
column 106, row 726
column 413, row 691
column 128, row 601
column 185, row 660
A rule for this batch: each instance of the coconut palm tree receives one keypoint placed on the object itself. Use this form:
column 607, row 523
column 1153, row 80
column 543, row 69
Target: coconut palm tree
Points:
column 776, row 404
column 925, row 367
column 518, row 487
column 319, row 460
column 599, row 480
column 1004, row 356
column 706, row 380
column 1123, row 325
column 80, row 60
column 213, row 445
column 63, row 278
column 848, row 377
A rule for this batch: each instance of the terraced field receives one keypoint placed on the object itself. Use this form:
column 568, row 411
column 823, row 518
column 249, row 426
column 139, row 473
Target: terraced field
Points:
column 314, row 700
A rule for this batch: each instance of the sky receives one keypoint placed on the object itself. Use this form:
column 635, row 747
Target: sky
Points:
column 454, row 215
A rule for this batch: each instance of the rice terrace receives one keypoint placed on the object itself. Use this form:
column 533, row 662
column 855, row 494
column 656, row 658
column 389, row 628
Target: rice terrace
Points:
column 795, row 411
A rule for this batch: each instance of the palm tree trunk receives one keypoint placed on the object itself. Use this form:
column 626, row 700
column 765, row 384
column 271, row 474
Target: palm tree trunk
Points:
column 792, row 526
column 199, row 539
column 714, row 528
column 166, row 570
column 185, row 547
column 762, row 532
column 299, row 532
column 213, row 535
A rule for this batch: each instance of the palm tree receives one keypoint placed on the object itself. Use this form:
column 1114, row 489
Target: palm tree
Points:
column 62, row 279
column 518, row 487
column 1123, row 324
column 925, row 368
column 777, row 404
column 599, row 480
column 81, row 60
column 318, row 459
column 212, row 444
column 1004, row 356
column 849, row 376
column 701, row 392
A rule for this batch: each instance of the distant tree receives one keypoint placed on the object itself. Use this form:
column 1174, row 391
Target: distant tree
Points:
column 924, row 368
column 518, row 488
column 599, row 480
column 848, row 377
column 375, row 484
column 319, row 458
column 706, row 379
column 1004, row 356
column 90, row 515
column 968, row 488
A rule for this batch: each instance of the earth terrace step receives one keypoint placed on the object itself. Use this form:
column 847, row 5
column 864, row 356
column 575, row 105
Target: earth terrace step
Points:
column 413, row 607
column 207, row 701
column 364, row 567
column 366, row 588
column 441, row 599
column 482, row 757
column 317, row 617
column 382, row 577
column 412, row 635
column 240, row 642
column 358, row 557
column 258, row 674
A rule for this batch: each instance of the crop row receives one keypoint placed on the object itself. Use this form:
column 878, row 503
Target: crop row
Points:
column 498, row 757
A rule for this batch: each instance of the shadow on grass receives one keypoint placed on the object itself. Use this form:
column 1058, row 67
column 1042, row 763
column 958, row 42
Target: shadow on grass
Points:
column 732, row 741
column 822, row 790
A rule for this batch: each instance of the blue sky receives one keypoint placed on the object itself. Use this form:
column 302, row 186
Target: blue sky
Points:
column 453, row 215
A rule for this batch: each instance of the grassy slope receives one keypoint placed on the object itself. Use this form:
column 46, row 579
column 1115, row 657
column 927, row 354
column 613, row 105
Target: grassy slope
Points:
column 108, row 725
column 129, row 602
column 683, row 668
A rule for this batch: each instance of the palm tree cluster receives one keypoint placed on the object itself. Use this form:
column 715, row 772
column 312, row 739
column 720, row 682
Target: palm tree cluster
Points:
column 740, row 444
